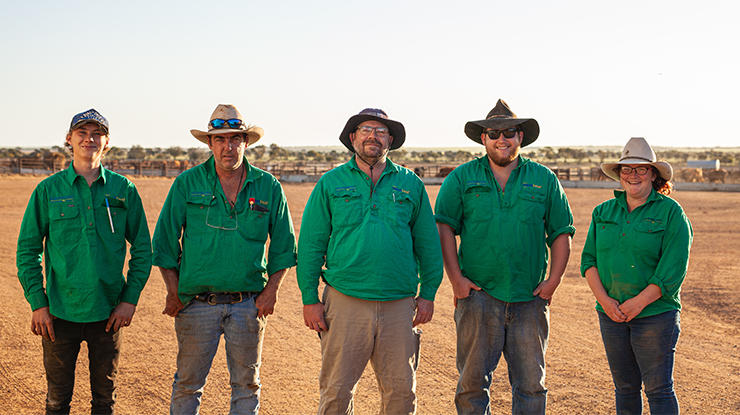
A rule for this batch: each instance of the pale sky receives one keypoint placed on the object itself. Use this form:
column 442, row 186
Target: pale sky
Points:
column 590, row 72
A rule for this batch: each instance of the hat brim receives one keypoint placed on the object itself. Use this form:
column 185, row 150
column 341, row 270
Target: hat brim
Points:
column 396, row 129
column 529, row 126
column 254, row 134
column 79, row 124
column 665, row 169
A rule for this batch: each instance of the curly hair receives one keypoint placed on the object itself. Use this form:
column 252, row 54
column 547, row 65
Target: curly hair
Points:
column 661, row 185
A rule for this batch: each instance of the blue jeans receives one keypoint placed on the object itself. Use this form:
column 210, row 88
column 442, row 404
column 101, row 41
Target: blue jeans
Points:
column 643, row 351
column 486, row 328
column 199, row 327
column 60, row 359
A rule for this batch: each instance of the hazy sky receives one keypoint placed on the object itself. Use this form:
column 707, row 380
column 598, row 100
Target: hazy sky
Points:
column 590, row 72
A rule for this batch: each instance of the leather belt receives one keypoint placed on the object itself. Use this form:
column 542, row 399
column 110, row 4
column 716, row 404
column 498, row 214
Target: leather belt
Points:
column 224, row 297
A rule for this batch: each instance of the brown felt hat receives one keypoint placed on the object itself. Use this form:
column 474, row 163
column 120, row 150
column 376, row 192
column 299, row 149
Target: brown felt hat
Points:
column 229, row 112
column 499, row 118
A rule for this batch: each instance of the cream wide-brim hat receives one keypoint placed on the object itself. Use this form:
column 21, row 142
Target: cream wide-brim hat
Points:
column 228, row 112
column 638, row 151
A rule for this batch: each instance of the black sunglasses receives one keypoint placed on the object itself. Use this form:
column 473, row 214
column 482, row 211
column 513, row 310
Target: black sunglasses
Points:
column 507, row 132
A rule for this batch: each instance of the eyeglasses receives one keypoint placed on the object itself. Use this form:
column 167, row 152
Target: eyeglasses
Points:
column 379, row 131
column 641, row 170
column 235, row 224
column 507, row 132
column 220, row 123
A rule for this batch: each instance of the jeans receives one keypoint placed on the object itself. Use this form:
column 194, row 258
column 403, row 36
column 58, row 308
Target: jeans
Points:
column 642, row 351
column 486, row 328
column 376, row 331
column 60, row 359
column 199, row 327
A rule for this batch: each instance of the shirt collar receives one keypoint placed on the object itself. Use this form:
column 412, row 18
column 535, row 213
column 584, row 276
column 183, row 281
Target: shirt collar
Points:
column 71, row 176
column 390, row 166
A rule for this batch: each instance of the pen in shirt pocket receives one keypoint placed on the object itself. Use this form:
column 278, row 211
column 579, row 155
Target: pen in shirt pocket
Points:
column 107, row 206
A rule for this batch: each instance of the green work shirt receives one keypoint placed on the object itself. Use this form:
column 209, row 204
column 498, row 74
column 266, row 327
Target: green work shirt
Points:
column 632, row 250
column 83, row 243
column 215, row 247
column 379, row 243
column 504, row 235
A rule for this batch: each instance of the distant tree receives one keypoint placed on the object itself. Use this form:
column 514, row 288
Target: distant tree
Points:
column 198, row 155
column 175, row 151
column 137, row 152
column 117, row 153
column 314, row 155
column 259, row 151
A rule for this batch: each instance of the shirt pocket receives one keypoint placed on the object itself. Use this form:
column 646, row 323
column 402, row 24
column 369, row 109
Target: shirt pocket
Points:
column 532, row 206
column 401, row 207
column 200, row 215
column 478, row 203
column 255, row 225
column 649, row 238
column 118, row 215
column 346, row 208
column 64, row 225
column 607, row 234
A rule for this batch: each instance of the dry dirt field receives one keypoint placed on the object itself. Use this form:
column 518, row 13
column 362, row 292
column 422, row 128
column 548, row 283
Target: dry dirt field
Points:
column 707, row 366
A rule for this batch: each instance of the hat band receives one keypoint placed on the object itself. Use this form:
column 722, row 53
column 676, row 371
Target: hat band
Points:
column 638, row 158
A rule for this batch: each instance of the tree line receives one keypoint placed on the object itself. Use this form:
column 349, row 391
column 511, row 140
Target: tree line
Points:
column 273, row 152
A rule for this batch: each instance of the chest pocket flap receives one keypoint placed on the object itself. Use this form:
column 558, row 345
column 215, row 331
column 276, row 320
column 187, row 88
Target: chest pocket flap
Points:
column 346, row 208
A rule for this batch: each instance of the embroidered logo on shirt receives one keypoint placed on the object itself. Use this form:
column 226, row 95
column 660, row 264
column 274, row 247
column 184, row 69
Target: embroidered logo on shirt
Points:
column 532, row 185
column 477, row 183
column 342, row 188
column 396, row 189
column 62, row 199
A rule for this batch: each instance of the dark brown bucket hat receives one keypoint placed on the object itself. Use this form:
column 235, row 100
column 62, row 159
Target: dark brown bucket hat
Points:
column 396, row 129
column 501, row 117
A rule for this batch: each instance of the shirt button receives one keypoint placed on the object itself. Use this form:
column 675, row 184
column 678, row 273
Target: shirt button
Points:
column 90, row 224
column 477, row 195
column 346, row 200
column 62, row 214
column 88, row 208
column 231, row 217
column 373, row 205
column 624, row 234
column 628, row 221
column 201, row 207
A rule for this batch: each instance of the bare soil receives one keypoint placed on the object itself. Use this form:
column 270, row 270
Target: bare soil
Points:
column 707, row 369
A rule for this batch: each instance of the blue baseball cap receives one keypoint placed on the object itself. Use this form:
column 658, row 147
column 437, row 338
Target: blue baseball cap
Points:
column 90, row 115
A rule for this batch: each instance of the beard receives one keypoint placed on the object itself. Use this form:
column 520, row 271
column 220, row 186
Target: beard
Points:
column 504, row 160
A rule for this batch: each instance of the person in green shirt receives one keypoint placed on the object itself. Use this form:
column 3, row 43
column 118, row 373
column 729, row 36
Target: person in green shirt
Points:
column 210, row 244
column 368, row 232
column 78, row 221
column 635, row 259
column 507, row 210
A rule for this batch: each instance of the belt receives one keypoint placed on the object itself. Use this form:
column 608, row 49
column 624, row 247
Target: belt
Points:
column 224, row 298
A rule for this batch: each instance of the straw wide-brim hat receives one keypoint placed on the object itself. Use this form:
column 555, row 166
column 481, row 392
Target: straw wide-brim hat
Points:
column 638, row 151
column 502, row 117
column 395, row 128
column 228, row 112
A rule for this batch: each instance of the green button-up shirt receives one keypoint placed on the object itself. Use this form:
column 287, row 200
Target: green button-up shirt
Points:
column 68, row 221
column 504, row 235
column 216, row 247
column 379, row 243
column 632, row 250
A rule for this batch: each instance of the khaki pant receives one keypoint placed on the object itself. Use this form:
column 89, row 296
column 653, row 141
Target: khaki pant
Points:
column 360, row 331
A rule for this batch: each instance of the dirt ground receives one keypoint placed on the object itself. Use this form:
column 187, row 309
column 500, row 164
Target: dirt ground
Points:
column 707, row 369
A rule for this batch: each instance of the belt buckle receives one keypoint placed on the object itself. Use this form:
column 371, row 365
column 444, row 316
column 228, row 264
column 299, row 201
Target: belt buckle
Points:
column 240, row 298
column 212, row 299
